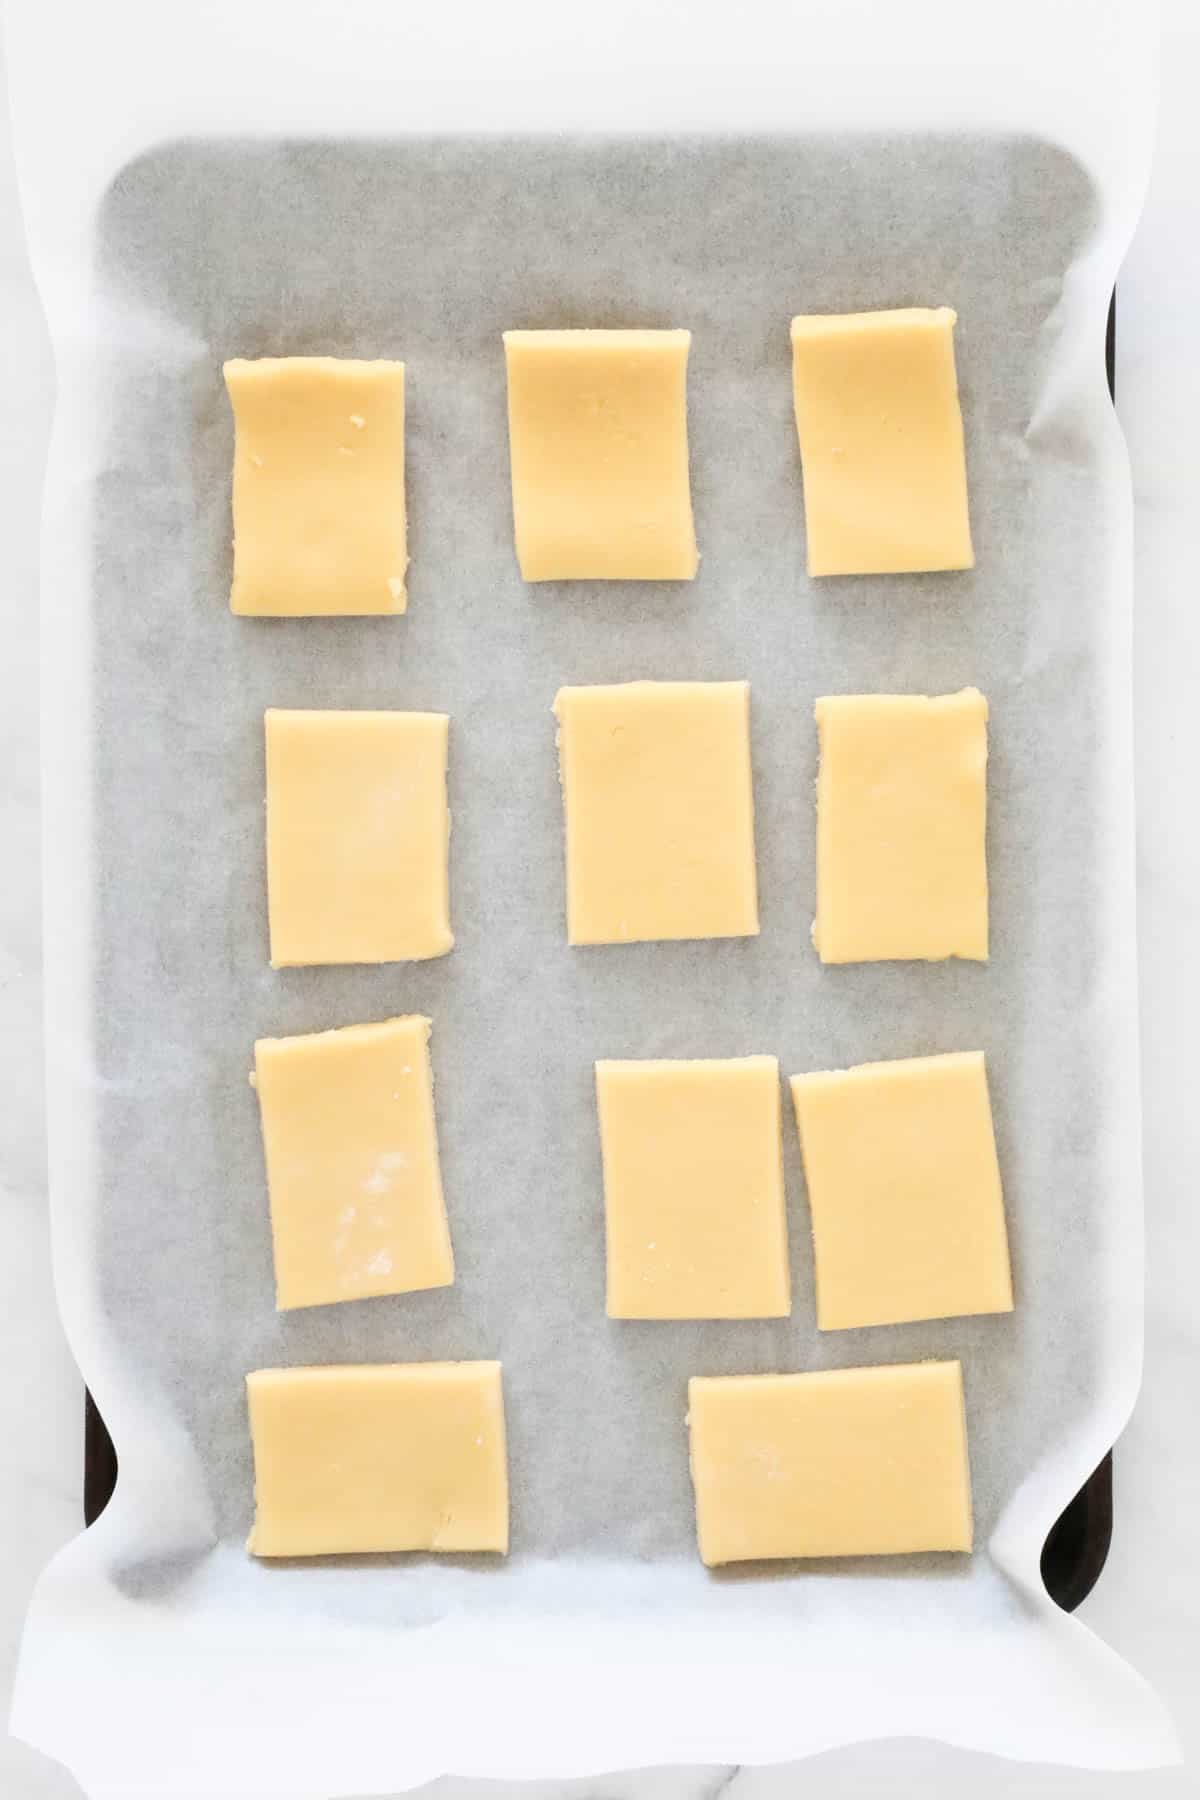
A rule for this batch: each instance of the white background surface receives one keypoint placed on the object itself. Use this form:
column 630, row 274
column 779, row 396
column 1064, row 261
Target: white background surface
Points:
column 1148, row 1602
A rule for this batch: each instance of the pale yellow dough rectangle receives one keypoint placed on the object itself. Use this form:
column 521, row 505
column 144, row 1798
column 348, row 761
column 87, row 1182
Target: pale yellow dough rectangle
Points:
column 597, row 426
column 842, row 1462
column 904, row 1190
column 351, row 1150
column 318, row 486
column 693, row 1189
column 358, row 832
column 659, row 806
column 901, row 827
column 881, row 442
column 403, row 1456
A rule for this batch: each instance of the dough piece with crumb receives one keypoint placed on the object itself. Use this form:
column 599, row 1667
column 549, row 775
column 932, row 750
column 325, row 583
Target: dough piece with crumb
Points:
column 378, row 1457
column 358, row 835
column 659, row 808
column 904, row 1190
column 881, row 442
column 319, row 520
column 597, row 425
column 901, row 828
column 351, row 1150
column 841, row 1462
column 693, row 1189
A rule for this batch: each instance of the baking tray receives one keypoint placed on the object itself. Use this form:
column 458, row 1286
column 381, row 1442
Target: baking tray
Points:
column 180, row 1281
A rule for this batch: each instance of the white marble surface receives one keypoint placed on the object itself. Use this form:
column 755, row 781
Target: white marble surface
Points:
column 1147, row 1604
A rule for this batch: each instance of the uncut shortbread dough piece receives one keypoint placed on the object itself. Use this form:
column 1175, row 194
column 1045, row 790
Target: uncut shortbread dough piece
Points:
column 402, row 1456
column 904, row 1190
column 318, row 486
column 352, row 1163
column 358, row 833
column 881, row 442
column 842, row 1462
column 693, row 1189
column 901, row 827
column 659, row 808
column 597, row 424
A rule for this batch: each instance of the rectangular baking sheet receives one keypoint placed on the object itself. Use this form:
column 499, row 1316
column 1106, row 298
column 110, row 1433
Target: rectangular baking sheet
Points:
column 230, row 249
column 602, row 1642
